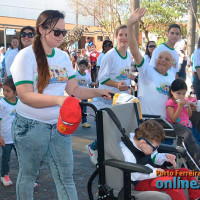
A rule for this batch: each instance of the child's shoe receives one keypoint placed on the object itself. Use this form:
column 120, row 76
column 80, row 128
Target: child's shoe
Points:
column 6, row 180
column 93, row 154
column 86, row 125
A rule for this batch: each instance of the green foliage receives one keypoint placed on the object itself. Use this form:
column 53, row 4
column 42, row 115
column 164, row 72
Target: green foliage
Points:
column 160, row 14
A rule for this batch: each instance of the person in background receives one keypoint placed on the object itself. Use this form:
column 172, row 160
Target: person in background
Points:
column 27, row 34
column 84, row 80
column 114, row 74
column 151, row 45
column 2, row 64
column 88, row 42
column 93, row 59
column 10, row 55
column 40, row 95
column 7, row 114
column 173, row 36
column 106, row 46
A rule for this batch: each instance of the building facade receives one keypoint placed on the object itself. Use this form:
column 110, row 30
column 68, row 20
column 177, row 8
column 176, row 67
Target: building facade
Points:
column 16, row 13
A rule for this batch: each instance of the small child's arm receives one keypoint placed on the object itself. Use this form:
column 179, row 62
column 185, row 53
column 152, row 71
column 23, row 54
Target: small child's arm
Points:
column 2, row 142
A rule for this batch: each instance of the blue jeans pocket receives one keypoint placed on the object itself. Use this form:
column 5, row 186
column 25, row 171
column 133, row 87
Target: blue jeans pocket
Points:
column 22, row 126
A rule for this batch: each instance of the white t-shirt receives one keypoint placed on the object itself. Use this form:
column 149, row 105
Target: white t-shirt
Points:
column 99, row 59
column 196, row 59
column 160, row 158
column 164, row 47
column 7, row 114
column 153, row 89
column 84, row 80
column 116, row 68
column 9, row 60
column 147, row 58
column 24, row 70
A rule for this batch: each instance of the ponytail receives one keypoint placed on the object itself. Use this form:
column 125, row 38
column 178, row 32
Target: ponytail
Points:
column 42, row 64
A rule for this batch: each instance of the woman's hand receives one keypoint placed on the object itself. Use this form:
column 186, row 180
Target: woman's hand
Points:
column 122, row 86
column 104, row 93
column 181, row 102
column 171, row 158
column 136, row 16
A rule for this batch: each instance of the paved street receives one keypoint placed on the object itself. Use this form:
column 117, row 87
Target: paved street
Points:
column 83, row 168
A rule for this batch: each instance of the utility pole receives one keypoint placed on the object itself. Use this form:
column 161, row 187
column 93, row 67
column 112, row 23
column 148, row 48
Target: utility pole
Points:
column 76, row 13
column 134, row 4
column 191, row 27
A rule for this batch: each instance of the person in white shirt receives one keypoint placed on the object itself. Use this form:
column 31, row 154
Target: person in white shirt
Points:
column 10, row 55
column 84, row 80
column 114, row 73
column 41, row 72
column 7, row 113
column 173, row 36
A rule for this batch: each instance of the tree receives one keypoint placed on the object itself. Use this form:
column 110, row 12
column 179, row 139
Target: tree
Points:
column 191, row 28
column 72, row 36
column 108, row 14
column 160, row 14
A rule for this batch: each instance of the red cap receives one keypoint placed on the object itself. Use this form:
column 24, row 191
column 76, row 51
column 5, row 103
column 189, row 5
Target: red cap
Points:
column 70, row 116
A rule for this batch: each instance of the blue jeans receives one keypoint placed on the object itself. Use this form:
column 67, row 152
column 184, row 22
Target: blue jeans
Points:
column 35, row 140
column 5, row 159
column 94, row 145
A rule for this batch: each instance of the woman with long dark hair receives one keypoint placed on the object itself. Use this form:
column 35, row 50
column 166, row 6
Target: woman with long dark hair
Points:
column 151, row 45
column 40, row 96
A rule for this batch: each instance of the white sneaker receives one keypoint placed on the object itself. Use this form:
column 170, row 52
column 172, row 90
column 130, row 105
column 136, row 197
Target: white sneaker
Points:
column 93, row 154
column 6, row 180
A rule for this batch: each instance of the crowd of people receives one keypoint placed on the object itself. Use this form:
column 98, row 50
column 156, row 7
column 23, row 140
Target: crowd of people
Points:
column 35, row 73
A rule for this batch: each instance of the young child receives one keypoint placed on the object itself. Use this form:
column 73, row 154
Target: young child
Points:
column 7, row 114
column 84, row 80
column 178, row 108
column 146, row 140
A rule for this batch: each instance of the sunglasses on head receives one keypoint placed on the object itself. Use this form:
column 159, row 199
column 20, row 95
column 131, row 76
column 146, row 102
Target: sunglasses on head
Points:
column 149, row 143
column 152, row 46
column 57, row 33
column 29, row 35
column 108, row 45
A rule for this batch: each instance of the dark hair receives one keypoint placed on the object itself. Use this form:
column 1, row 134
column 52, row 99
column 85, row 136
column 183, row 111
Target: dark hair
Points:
column 147, row 50
column 150, row 130
column 105, row 42
column 174, row 26
column 47, row 19
column 83, row 62
column 198, row 45
column 9, row 82
column 119, row 28
column 177, row 84
column 21, row 46
column 12, row 40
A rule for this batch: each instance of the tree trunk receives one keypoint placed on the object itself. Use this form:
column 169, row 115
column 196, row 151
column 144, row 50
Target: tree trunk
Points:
column 191, row 27
column 134, row 4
